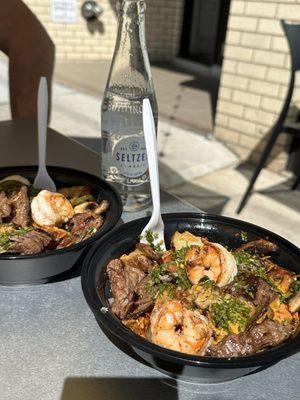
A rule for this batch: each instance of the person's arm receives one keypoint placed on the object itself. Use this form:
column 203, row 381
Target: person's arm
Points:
column 31, row 55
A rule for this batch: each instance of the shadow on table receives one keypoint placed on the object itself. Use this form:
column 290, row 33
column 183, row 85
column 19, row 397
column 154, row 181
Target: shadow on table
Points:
column 118, row 389
column 281, row 192
column 200, row 197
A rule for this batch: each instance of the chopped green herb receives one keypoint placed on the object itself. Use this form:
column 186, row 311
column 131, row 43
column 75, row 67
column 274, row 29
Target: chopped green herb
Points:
column 151, row 237
column 251, row 264
column 242, row 282
column 295, row 286
column 182, row 279
column 207, row 283
column 91, row 230
column 244, row 236
column 4, row 237
column 230, row 311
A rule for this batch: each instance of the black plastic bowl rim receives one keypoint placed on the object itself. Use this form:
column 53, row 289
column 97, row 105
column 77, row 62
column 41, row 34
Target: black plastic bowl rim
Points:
column 111, row 323
column 116, row 208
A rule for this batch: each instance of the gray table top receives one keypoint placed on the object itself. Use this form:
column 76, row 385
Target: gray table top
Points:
column 51, row 347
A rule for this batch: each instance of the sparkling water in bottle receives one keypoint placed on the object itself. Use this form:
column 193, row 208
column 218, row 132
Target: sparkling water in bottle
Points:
column 124, row 158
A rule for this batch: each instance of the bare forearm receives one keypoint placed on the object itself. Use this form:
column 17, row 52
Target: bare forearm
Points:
column 31, row 55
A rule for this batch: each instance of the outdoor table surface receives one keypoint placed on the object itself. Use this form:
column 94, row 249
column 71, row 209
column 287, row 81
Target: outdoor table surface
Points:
column 51, row 347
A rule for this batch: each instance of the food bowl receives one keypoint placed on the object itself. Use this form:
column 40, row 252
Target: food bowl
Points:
column 55, row 264
column 226, row 231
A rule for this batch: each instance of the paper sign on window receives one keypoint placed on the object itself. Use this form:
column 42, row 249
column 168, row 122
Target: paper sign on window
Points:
column 64, row 11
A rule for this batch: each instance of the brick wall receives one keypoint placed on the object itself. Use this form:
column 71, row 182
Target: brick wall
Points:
column 255, row 77
column 76, row 41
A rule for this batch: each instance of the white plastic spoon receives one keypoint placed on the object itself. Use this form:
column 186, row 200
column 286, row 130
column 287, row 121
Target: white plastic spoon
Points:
column 155, row 225
column 43, row 180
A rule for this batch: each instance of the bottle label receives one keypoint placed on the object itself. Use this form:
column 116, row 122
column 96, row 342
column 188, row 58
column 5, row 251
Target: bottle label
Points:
column 130, row 157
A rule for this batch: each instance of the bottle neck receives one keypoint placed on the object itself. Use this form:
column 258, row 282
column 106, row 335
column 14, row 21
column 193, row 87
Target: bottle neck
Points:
column 131, row 43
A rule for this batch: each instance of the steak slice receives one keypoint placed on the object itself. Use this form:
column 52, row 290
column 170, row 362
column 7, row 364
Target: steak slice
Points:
column 124, row 282
column 148, row 251
column 261, row 246
column 144, row 301
column 20, row 207
column 5, row 206
column 138, row 260
column 84, row 225
column 32, row 242
column 264, row 296
column 258, row 337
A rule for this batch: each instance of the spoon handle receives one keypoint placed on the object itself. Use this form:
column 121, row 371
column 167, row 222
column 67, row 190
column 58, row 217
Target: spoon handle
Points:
column 151, row 146
column 42, row 120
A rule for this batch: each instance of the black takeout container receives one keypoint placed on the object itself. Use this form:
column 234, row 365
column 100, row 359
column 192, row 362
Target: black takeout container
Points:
column 226, row 231
column 56, row 264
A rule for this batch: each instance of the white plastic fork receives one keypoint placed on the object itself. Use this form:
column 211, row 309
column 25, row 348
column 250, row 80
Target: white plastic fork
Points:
column 155, row 225
column 43, row 180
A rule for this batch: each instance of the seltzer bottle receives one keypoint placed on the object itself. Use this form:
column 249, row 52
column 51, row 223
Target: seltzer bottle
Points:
column 124, row 158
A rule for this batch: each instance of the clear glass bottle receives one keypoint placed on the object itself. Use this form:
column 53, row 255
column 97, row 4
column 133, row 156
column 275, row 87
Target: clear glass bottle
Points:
column 124, row 158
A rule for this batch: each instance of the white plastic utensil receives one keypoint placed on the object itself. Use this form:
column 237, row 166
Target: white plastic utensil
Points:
column 155, row 225
column 43, row 180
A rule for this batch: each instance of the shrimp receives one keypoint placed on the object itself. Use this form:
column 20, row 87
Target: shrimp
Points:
column 211, row 260
column 49, row 208
column 175, row 327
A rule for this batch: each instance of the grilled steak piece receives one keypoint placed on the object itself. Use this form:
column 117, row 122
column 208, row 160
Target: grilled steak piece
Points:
column 124, row 282
column 137, row 259
column 84, row 225
column 20, row 207
column 261, row 246
column 148, row 251
column 144, row 301
column 5, row 207
column 32, row 242
column 268, row 333
column 67, row 241
column 264, row 296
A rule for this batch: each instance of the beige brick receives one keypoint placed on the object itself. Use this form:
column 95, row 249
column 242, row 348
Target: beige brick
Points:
column 245, row 98
column 234, row 81
column 229, row 66
column 260, row 9
column 280, row 44
column 240, row 151
column 287, row 11
column 256, row 40
column 230, row 108
column 287, row 61
column 251, row 70
column 221, row 119
column 233, row 37
column 242, row 23
column 269, row 58
column 271, row 26
column 283, row 92
column 237, row 7
column 241, row 125
column 264, row 88
column 249, row 142
column 271, row 104
column 278, row 75
column 259, row 116
column 225, row 93
column 226, row 135
column 238, row 53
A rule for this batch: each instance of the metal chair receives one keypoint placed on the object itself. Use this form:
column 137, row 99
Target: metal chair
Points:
column 292, row 33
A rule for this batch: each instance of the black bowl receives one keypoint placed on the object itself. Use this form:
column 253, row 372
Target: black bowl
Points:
column 226, row 231
column 56, row 264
